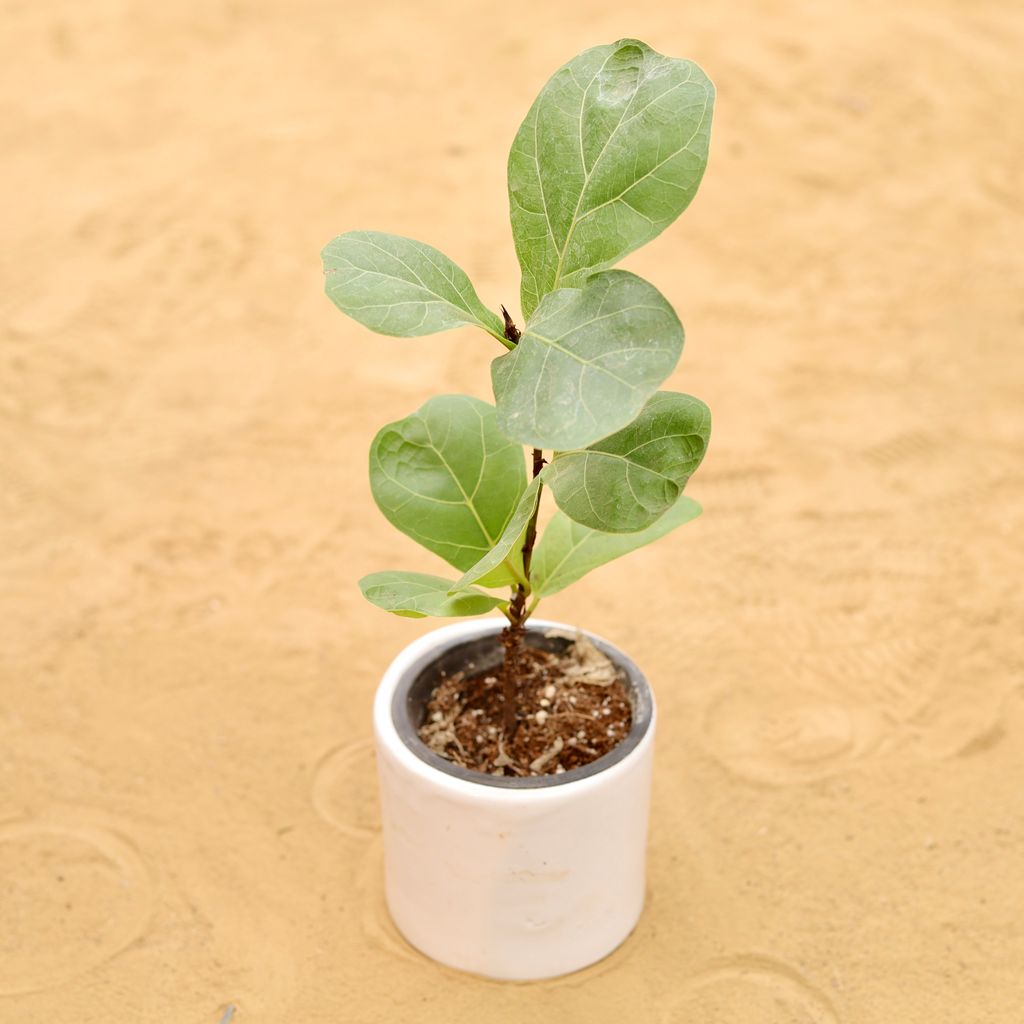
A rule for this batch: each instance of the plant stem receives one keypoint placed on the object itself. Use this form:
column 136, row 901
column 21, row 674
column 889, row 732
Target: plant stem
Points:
column 518, row 612
column 512, row 635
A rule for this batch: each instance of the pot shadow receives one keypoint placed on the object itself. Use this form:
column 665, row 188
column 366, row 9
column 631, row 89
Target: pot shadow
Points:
column 374, row 918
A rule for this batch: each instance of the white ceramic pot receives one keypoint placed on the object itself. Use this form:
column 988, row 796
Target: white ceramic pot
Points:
column 511, row 878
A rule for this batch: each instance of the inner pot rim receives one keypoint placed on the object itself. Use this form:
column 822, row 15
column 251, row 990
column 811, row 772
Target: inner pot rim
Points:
column 403, row 703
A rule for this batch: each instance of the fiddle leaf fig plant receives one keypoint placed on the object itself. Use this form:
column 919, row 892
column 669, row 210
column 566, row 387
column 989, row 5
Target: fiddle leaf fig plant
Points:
column 610, row 153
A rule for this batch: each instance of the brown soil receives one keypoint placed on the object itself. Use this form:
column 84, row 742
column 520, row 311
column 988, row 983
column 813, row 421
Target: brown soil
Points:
column 572, row 709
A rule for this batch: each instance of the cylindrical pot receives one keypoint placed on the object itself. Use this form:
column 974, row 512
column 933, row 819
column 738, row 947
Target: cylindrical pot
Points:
column 511, row 878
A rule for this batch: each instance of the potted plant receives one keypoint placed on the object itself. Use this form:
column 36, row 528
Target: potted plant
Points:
column 514, row 755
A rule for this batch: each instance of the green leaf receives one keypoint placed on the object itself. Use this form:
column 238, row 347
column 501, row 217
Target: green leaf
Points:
column 568, row 551
column 610, row 153
column 416, row 595
column 509, row 544
column 587, row 362
column 446, row 477
column 626, row 481
column 398, row 286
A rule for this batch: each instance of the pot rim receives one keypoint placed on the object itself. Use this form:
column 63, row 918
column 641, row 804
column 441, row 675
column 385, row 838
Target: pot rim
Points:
column 397, row 734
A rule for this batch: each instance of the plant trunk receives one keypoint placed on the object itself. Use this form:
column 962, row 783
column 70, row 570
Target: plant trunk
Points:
column 513, row 634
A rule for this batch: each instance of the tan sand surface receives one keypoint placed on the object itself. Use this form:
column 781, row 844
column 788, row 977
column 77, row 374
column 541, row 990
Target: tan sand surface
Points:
column 187, row 798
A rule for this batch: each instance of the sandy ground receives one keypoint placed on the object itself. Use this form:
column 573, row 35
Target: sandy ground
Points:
column 187, row 798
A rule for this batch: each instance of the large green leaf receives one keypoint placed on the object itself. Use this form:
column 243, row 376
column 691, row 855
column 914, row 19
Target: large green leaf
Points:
column 626, row 481
column 568, row 550
column 587, row 362
column 447, row 477
column 610, row 153
column 415, row 595
column 509, row 544
column 398, row 286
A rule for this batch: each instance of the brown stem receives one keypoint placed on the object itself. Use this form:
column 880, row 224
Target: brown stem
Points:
column 512, row 635
column 512, row 641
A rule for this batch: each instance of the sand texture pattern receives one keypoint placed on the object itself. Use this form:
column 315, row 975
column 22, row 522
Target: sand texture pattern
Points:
column 188, row 811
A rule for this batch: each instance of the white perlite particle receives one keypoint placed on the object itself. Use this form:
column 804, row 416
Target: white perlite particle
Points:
column 542, row 717
column 549, row 691
column 437, row 716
